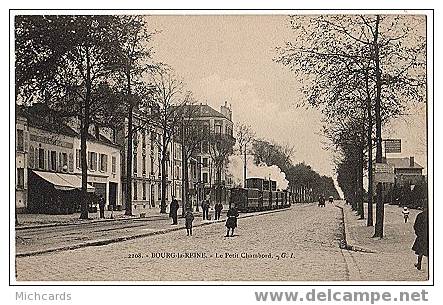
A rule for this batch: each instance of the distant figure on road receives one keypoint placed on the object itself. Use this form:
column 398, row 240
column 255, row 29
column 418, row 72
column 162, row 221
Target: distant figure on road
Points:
column 405, row 213
column 331, row 199
column 173, row 210
column 218, row 208
column 205, row 208
column 231, row 222
column 421, row 228
column 321, row 201
column 189, row 218
column 101, row 206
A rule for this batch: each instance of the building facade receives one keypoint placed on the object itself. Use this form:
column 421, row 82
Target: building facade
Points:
column 48, row 171
column 211, row 184
column 146, row 165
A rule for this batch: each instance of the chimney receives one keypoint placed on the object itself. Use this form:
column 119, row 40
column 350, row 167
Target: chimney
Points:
column 411, row 162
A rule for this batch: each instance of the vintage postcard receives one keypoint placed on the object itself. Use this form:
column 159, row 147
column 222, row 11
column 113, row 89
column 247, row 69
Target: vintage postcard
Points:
column 221, row 147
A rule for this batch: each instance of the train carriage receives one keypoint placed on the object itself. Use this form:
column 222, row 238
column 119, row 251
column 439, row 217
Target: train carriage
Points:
column 259, row 194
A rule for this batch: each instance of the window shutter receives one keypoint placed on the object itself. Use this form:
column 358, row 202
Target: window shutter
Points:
column 49, row 160
column 36, row 160
column 60, row 162
column 77, row 158
column 71, row 162
column 31, row 157
column 106, row 162
column 26, row 141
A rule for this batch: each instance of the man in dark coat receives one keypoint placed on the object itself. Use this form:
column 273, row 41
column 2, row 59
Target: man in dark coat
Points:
column 173, row 208
column 205, row 208
column 101, row 206
column 218, row 208
column 421, row 245
column 231, row 222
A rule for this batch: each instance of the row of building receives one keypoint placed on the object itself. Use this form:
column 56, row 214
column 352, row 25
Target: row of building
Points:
column 48, row 162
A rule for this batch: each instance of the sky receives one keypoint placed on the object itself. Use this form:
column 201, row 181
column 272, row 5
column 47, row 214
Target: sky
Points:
column 230, row 58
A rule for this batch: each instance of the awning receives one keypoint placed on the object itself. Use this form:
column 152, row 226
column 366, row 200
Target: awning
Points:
column 64, row 182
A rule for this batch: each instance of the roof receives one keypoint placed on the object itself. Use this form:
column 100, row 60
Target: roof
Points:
column 403, row 163
column 207, row 111
column 41, row 117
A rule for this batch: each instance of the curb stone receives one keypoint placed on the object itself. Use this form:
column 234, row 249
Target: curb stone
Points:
column 131, row 237
column 347, row 242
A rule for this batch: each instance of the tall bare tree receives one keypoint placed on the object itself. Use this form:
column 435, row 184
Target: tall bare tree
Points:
column 244, row 136
column 169, row 97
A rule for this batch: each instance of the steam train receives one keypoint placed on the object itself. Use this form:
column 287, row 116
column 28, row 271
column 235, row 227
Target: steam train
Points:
column 259, row 195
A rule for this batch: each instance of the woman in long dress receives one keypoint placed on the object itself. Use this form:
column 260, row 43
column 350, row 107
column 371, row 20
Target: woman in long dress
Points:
column 231, row 222
column 421, row 245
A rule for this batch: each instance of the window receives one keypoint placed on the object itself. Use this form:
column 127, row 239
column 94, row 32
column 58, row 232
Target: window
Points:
column 77, row 158
column 41, row 158
column 103, row 162
column 53, row 160
column 134, row 190
column 20, row 178
column 218, row 129
column 20, row 140
column 114, row 166
column 205, row 162
column 64, row 162
column 152, row 165
column 144, row 190
column 92, row 161
column 159, row 191
column 205, row 147
column 134, row 165
column 144, row 165
column 205, row 177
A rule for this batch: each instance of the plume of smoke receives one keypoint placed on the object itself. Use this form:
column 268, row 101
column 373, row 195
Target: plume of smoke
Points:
column 235, row 168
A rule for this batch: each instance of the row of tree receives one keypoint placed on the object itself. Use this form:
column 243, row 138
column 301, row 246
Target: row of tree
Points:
column 98, row 71
column 360, row 71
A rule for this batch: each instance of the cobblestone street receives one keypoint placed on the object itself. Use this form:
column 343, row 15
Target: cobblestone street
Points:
column 307, row 233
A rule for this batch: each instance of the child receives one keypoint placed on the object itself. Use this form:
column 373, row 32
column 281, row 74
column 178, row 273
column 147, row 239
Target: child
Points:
column 189, row 218
column 405, row 214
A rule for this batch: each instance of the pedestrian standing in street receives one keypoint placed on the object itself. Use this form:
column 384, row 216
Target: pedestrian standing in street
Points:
column 421, row 245
column 173, row 209
column 405, row 213
column 101, row 206
column 218, row 208
column 321, row 201
column 189, row 218
column 205, row 208
column 231, row 221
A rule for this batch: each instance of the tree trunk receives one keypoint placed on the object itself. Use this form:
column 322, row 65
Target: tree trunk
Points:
column 83, row 137
column 360, row 183
column 163, row 173
column 380, row 206
column 244, row 169
column 370, row 221
column 129, row 154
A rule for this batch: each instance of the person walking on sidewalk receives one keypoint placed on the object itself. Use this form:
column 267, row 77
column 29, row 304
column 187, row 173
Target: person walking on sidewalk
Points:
column 421, row 228
column 205, row 208
column 101, row 206
column 218, row 208
column 189, row 218
column 405, row 213
column 173, row 209
column 231, row 221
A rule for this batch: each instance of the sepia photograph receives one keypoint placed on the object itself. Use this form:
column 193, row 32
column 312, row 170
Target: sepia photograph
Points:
column 217, row 147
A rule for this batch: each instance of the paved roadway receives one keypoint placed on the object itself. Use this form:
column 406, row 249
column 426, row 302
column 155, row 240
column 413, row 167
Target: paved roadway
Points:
column 308, row 235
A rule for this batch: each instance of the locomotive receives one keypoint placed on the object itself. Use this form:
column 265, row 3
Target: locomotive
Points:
column 259, row 195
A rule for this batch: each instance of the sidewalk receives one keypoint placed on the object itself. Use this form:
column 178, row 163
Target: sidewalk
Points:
column 47, row 220
column 392, row 257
